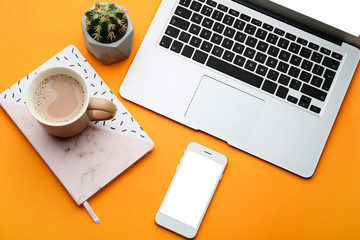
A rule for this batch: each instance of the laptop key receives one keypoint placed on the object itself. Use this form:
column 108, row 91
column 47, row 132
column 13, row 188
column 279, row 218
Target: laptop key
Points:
column 217, row 51
column 206, row 46
column 211, row 3
column 315, row 109
column 316, row 81
column 260, row 57
column 307, row 65
column 185, row 3
column 234, row 12
column 206, row 10
column 250, row 41
column 313, row 92
column 329, row 77
column 239, row 24
column 256, row 22
column 295, row 84
column 318, row 70
column 290, row 36
column 305, row 52
column 196, row 18
column 338, row 56
column 229, row 32
column 325, row 51
column 218, row 27
column 314, row 46
column 283, row 43
column 294, row 72
column 283, row 67
column 279, row 32
column 268, row 27
column 284, row 55
column 250, row 29
column 304, row 101
column 195, row 41
column 207, row 22
column 261, row 34
column 187, row 51
column 316, row 57
column 205, row 34
column 216, row 38
column 228, row 20
column 262, row 46
column 245, row 17
column 222, row 8
column 217, row 15
column 292, row 99
column 302, row 41
column 250, row 65
column 176, row 46
column 272, row 38
column 269, row 86
column 200, row 56
column 235, row 72
column 228, row 56
column 273, row 75
column 294, row 48
column 184, row 37
column 171, row 31
column 183, row 12
column 240, row 61
column 238, row 48
column 194, row 29
column 331, row 63
column 196, row 6
column 282, row 92
column 284, row 79
column 227, row 43
column 305, row 76
column 180, row 23
column 165, row 41
column 261, row 70
column 240, row 37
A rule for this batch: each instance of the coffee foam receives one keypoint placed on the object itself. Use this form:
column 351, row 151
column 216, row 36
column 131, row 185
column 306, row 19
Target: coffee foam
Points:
column 59, row 98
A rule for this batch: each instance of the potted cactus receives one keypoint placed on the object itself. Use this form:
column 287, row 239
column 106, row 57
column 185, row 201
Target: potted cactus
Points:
column 108, row 32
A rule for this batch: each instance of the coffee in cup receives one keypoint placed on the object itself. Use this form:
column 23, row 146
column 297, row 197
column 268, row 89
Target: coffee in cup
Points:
column 59, row 100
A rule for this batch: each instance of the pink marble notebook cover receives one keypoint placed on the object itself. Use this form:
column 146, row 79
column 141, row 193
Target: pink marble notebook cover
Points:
column 86, row 163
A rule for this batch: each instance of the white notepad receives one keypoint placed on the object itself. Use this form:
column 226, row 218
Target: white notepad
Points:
column 86, row 163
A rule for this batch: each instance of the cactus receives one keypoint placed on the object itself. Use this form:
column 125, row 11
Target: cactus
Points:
column 105, row 22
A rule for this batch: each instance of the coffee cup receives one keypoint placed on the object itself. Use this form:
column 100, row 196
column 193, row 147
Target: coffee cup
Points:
column 58, row 98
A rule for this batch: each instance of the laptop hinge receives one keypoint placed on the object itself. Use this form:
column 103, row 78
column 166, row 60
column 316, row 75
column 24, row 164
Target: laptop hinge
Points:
column 289, row 21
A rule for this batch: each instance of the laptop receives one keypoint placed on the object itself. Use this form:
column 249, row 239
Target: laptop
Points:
column 266, row 79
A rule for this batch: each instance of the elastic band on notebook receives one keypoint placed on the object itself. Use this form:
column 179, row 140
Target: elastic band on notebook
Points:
column 91, row 212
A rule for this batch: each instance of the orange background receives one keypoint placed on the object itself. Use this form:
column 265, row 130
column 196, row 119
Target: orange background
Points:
column 254, row 200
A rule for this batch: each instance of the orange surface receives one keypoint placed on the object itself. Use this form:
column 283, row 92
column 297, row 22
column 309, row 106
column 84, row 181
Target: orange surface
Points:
column 255, row 200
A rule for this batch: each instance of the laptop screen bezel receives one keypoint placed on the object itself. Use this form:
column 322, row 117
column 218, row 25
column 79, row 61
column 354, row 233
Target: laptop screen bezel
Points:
column 302, row 21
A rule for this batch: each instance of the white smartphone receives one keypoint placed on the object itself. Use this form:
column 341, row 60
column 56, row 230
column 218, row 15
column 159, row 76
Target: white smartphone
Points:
column 191, row 190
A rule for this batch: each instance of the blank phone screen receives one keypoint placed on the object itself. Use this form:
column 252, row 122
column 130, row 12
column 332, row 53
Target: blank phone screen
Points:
column 191, row 189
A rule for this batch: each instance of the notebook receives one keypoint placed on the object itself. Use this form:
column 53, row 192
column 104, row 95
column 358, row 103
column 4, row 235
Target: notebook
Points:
column 86, row 163
column 260, row 76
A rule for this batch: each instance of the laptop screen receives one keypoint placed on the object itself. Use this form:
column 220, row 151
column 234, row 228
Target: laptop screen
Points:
column 343, row 14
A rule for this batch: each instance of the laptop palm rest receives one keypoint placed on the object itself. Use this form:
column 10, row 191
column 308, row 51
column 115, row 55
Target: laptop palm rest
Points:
column 224, row 111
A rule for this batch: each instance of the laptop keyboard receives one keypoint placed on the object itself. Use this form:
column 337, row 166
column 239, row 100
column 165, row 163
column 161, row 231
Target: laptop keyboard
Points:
column 268, row 58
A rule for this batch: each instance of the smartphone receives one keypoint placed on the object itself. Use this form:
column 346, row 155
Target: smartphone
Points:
column 191, row 190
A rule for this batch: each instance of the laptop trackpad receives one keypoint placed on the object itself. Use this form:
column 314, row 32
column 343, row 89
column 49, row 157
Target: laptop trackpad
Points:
column 224, row 111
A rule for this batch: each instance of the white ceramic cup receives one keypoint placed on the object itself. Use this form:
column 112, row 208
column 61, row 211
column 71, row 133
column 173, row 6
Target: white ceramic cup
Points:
column 93, row 109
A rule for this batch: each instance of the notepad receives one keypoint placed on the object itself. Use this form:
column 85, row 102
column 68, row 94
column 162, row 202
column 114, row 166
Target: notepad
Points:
column 85, row 163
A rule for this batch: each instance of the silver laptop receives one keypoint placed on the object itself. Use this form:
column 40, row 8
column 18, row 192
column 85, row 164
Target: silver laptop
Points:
column 264, row 78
